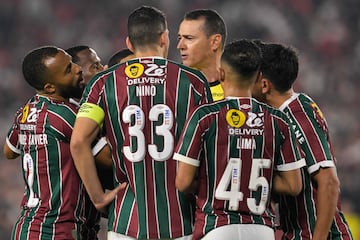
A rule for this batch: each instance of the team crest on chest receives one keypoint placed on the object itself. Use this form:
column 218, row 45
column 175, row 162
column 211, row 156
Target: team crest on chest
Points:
column 317, row 110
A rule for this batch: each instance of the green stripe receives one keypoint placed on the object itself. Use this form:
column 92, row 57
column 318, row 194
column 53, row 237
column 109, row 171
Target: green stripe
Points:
column 181, row 103
column 55, row 185
column 133, row 100
column 161, row 199
column 160, row 61
column 210, row 222
column 141, row 196
column 187, row 212
column 125, row 212
column 257, row 219
column 234, row 217
column 113, row 113
column 233, row 138
column 211, row 155
column 25, row 226
column 158, row 140
column 335, row 233
column 308, row 199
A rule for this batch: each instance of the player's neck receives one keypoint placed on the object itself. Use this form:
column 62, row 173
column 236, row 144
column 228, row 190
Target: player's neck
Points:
column 276, row 99
column 150, row 52
column 212, row 73
column 212, row 69
column 53, row 96
column 235, row 91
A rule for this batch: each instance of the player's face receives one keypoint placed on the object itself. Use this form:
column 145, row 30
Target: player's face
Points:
column 65, row 75
column 193, row 44
column 90, row 64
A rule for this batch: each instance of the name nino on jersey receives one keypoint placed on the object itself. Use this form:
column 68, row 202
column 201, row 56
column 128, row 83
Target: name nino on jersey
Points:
column 236, row 119
column 145, row 85
column 28, row 123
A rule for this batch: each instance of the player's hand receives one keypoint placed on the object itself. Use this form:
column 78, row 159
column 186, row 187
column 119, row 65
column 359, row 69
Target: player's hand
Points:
column 108, row 197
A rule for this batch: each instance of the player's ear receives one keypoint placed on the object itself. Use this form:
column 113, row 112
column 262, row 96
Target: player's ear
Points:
column 49, row 88
column 129, row 44
column 265, row 85
column 216, row 42
column 222, row 74
column 262, row 82
column 164, row 38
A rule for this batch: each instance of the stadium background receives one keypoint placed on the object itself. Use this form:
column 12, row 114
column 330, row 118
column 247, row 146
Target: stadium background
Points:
column 326, row 33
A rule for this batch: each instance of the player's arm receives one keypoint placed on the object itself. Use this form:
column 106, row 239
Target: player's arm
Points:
column 287, row 179
column 288, row 182
column 84, row 133
column 102, row 153
column 325, row 178
column 327, row 197
column 188, row 145
column 185, row 178
column 9, row 154
column 104, row 157
column 10, row 149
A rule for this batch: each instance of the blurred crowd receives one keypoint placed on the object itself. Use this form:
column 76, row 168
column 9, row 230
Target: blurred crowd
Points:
column 326, row 33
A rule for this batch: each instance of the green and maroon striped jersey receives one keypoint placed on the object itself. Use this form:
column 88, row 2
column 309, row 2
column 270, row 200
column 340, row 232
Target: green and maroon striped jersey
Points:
column 146, row 102
column 237, row 143
column 52, row 202
column 298, row 214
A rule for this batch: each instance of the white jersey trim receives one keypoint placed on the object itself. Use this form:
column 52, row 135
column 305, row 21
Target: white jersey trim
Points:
column 12, row 147
column 288, row 101
column 322, row 164
column 99, row 145
column 73, row 101
column 291, row 166
column 185, row 159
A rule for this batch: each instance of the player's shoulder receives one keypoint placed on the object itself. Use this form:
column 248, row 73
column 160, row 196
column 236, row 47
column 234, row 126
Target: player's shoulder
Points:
column 212, row 107
column 64, row 109
column 311, row 109
column 298, row 99
column 102, row 74
column 303, row 103
column 61, row 108
column 273, row 112
column 306, row 100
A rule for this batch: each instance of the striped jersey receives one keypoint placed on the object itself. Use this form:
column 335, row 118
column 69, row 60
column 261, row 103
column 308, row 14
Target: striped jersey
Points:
column 52, row 202
column 146, row 102
column 298, row 214
column 237, row 143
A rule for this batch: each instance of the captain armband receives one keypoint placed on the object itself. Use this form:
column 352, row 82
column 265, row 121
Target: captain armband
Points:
column 92, row 111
